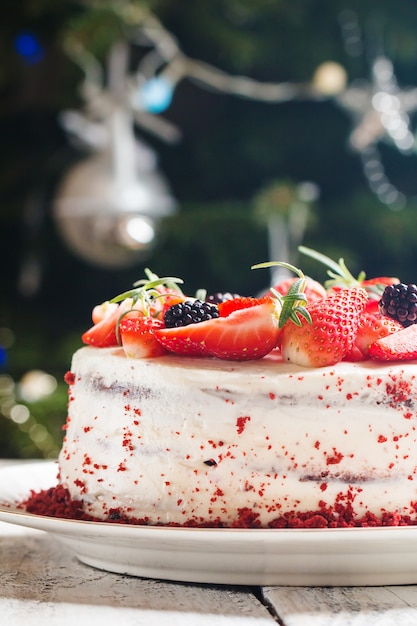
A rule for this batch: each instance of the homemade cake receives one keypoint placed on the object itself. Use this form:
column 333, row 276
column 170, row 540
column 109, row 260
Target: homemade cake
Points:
column 297, row 408
column 188, row 440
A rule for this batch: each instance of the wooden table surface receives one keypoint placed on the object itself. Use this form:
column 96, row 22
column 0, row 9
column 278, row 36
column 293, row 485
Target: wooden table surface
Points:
column 41, row 583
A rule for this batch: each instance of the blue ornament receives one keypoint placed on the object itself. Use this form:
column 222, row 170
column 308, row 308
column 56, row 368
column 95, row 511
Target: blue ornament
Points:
column 28, row 47
column 3, row 356
column 156, row 94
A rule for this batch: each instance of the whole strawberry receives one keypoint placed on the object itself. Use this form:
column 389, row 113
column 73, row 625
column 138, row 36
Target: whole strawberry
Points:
column 331, row 333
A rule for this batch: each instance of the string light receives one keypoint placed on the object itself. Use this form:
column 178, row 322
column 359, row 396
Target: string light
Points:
column 330, row 78
column 378, row 181
column 38, row 438
column 28, row 47
column 6, row 341
column 380, row 109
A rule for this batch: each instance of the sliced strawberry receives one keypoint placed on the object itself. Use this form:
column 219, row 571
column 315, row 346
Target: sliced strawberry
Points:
column 371, row 328
column 248, row 333
column 354, row 355
column 400, row 346
column 242, row 302
column 104, row 334
column 332, row 331
column 103, row 311
column 138, row 338
column 313, row 290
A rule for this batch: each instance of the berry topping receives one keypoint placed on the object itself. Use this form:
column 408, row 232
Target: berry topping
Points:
column 400, row 346
column 249, row 333
column 244, row 302
column 190, row 312
column 313, row 325
column 103, row 334
column 332, row 331
column 372, row 327
column 103, row 311
column 148, row 297
column 400, row 302
column 137, row 336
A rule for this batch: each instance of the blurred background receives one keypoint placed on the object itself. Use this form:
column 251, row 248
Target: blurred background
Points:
column 194, row 138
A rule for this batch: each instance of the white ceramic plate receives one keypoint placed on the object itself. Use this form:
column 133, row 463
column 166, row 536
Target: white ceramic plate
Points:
column 357, row 556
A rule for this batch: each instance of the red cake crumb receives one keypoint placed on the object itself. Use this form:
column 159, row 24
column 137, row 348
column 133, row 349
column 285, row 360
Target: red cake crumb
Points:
column 56, row 502
column 335, row 459
column 69, row 378
column 241, row 423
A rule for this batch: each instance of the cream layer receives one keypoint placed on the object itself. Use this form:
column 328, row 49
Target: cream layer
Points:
column 176, row 439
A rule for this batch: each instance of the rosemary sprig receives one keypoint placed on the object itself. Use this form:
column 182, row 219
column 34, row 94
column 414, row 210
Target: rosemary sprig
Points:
column 293, row 302
column 339, row 274
column 146, row 288
column 146, row 292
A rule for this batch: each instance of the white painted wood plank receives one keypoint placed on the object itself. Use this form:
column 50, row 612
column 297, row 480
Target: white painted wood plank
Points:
column 40, row 583
column 344, row 606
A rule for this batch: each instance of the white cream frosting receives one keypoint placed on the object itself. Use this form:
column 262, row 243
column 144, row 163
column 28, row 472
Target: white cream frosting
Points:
column 174, row 439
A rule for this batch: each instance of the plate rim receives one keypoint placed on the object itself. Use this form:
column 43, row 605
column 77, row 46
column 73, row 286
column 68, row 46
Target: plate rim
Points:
column 356, row 556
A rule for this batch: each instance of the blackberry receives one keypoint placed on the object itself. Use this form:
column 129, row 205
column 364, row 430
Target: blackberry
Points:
column 217, row 298
column 190, row 312
column 400, row 302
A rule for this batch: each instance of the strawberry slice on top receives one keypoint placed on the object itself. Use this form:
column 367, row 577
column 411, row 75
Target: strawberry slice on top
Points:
column 103, row 333
column 137, row 336
column 246, row 333
column 147, row 298
column 399, row 346
column 241, row 302
column 371, row 328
